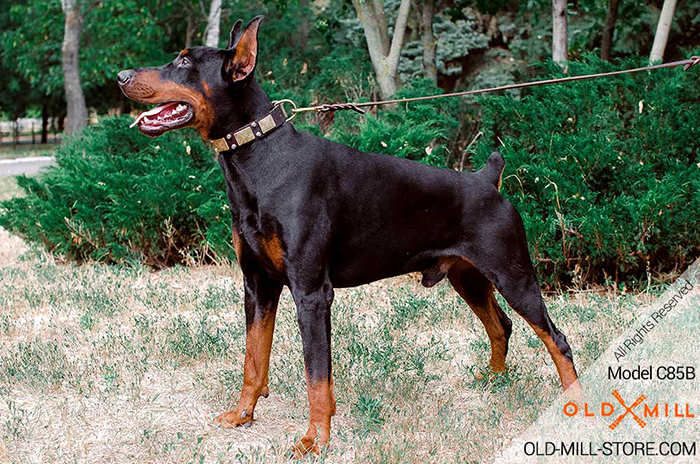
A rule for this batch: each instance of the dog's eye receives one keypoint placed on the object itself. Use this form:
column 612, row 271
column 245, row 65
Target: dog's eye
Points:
column 184, row 61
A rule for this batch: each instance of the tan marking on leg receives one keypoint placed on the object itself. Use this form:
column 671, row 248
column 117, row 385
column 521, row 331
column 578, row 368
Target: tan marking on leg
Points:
column 495, row 331
column 272, row 247
column 565, row 368
column 487, row 314
column 258, row 345
column 237, row 244
column 322, row 408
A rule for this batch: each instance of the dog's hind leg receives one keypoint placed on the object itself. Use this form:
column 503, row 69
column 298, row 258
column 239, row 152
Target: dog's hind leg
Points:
column 477, row 291
column 523, row 294
column 500, row 253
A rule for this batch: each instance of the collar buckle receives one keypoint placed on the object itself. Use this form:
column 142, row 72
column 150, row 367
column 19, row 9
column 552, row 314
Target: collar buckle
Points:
column 281, row 103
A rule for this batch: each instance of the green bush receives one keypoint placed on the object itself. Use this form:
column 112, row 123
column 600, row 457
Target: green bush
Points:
column 117, row 196
column 420, row 131
column 606, row 172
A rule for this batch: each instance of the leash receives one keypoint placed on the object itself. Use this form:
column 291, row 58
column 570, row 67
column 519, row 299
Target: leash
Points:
column 278, row 116
column 357, row 106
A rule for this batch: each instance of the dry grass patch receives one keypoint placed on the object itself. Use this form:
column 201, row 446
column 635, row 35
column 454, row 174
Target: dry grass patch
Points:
column 9, row 188
column 106, row 364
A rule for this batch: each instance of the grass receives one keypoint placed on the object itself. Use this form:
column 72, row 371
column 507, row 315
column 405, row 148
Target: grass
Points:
column 109, row 364
column 9, row 188
column 23, row 151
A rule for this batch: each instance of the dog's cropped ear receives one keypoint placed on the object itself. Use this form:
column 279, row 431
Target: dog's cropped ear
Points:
column 242, row 58
column 235, row 34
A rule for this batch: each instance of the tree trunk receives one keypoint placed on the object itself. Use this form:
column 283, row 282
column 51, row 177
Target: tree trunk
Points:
column 559, row 37
column 429, row 66
column 383, row 53
column 76, row 109
column 609, row 29
column 44, row 123
column 59, row 123
column 662, row 30
column 380, row 16
column 213, row 25
column 190, row 30
column 304, row 39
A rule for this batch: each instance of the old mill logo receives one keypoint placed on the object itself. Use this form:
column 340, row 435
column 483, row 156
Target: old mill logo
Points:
column 637, row 413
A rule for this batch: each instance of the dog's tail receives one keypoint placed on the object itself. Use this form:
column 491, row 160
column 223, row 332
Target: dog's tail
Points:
column 493, row 169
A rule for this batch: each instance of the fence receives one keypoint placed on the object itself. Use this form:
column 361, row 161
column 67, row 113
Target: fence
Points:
column 27, row 131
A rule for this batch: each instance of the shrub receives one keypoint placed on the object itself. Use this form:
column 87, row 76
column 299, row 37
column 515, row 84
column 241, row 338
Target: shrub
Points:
column 117, row 196
column 420, row 131
column 606, row 172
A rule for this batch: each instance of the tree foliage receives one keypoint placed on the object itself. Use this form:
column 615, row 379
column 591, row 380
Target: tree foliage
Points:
column 119, row 34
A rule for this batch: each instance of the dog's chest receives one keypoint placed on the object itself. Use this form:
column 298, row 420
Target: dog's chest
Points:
column 263, row 245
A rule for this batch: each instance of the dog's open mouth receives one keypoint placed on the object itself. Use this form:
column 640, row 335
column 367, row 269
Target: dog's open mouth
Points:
column 164, row 117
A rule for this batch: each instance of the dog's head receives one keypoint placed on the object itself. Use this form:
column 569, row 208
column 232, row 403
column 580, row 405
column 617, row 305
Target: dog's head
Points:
column 186, row 89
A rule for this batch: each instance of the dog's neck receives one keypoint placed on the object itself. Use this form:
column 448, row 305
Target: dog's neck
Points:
column 248, row 168
column 242, row 106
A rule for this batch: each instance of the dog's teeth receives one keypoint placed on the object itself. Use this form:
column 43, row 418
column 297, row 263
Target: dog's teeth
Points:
column 159, row 113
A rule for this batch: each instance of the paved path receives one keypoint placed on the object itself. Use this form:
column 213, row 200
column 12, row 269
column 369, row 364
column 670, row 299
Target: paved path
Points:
column 30, row 165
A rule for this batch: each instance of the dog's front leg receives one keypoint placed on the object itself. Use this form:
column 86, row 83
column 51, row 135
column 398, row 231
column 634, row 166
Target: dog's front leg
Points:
column 261, row 298
column 314, row 317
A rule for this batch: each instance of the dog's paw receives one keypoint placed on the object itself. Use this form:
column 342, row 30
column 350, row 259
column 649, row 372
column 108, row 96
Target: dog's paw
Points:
column 233, row 419
column 307, row 445
column 243, row 414
column 488, row 374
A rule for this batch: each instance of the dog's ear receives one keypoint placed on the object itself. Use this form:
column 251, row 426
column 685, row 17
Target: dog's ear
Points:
column 235, row 34
column 241, row 60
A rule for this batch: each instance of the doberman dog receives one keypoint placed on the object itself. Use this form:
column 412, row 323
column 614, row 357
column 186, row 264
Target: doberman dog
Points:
column 315, row 215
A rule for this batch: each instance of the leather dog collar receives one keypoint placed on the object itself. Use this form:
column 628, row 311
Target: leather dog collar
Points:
column 251, row 132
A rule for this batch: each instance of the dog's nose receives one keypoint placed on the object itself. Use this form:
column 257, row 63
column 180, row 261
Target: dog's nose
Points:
column 125, row 76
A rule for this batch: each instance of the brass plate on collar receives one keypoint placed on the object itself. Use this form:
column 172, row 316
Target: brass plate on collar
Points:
column 267, row 123
column 244, row 136
column 220, row 144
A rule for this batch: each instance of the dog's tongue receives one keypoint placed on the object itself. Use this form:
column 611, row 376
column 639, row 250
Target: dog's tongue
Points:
column 164, row 108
